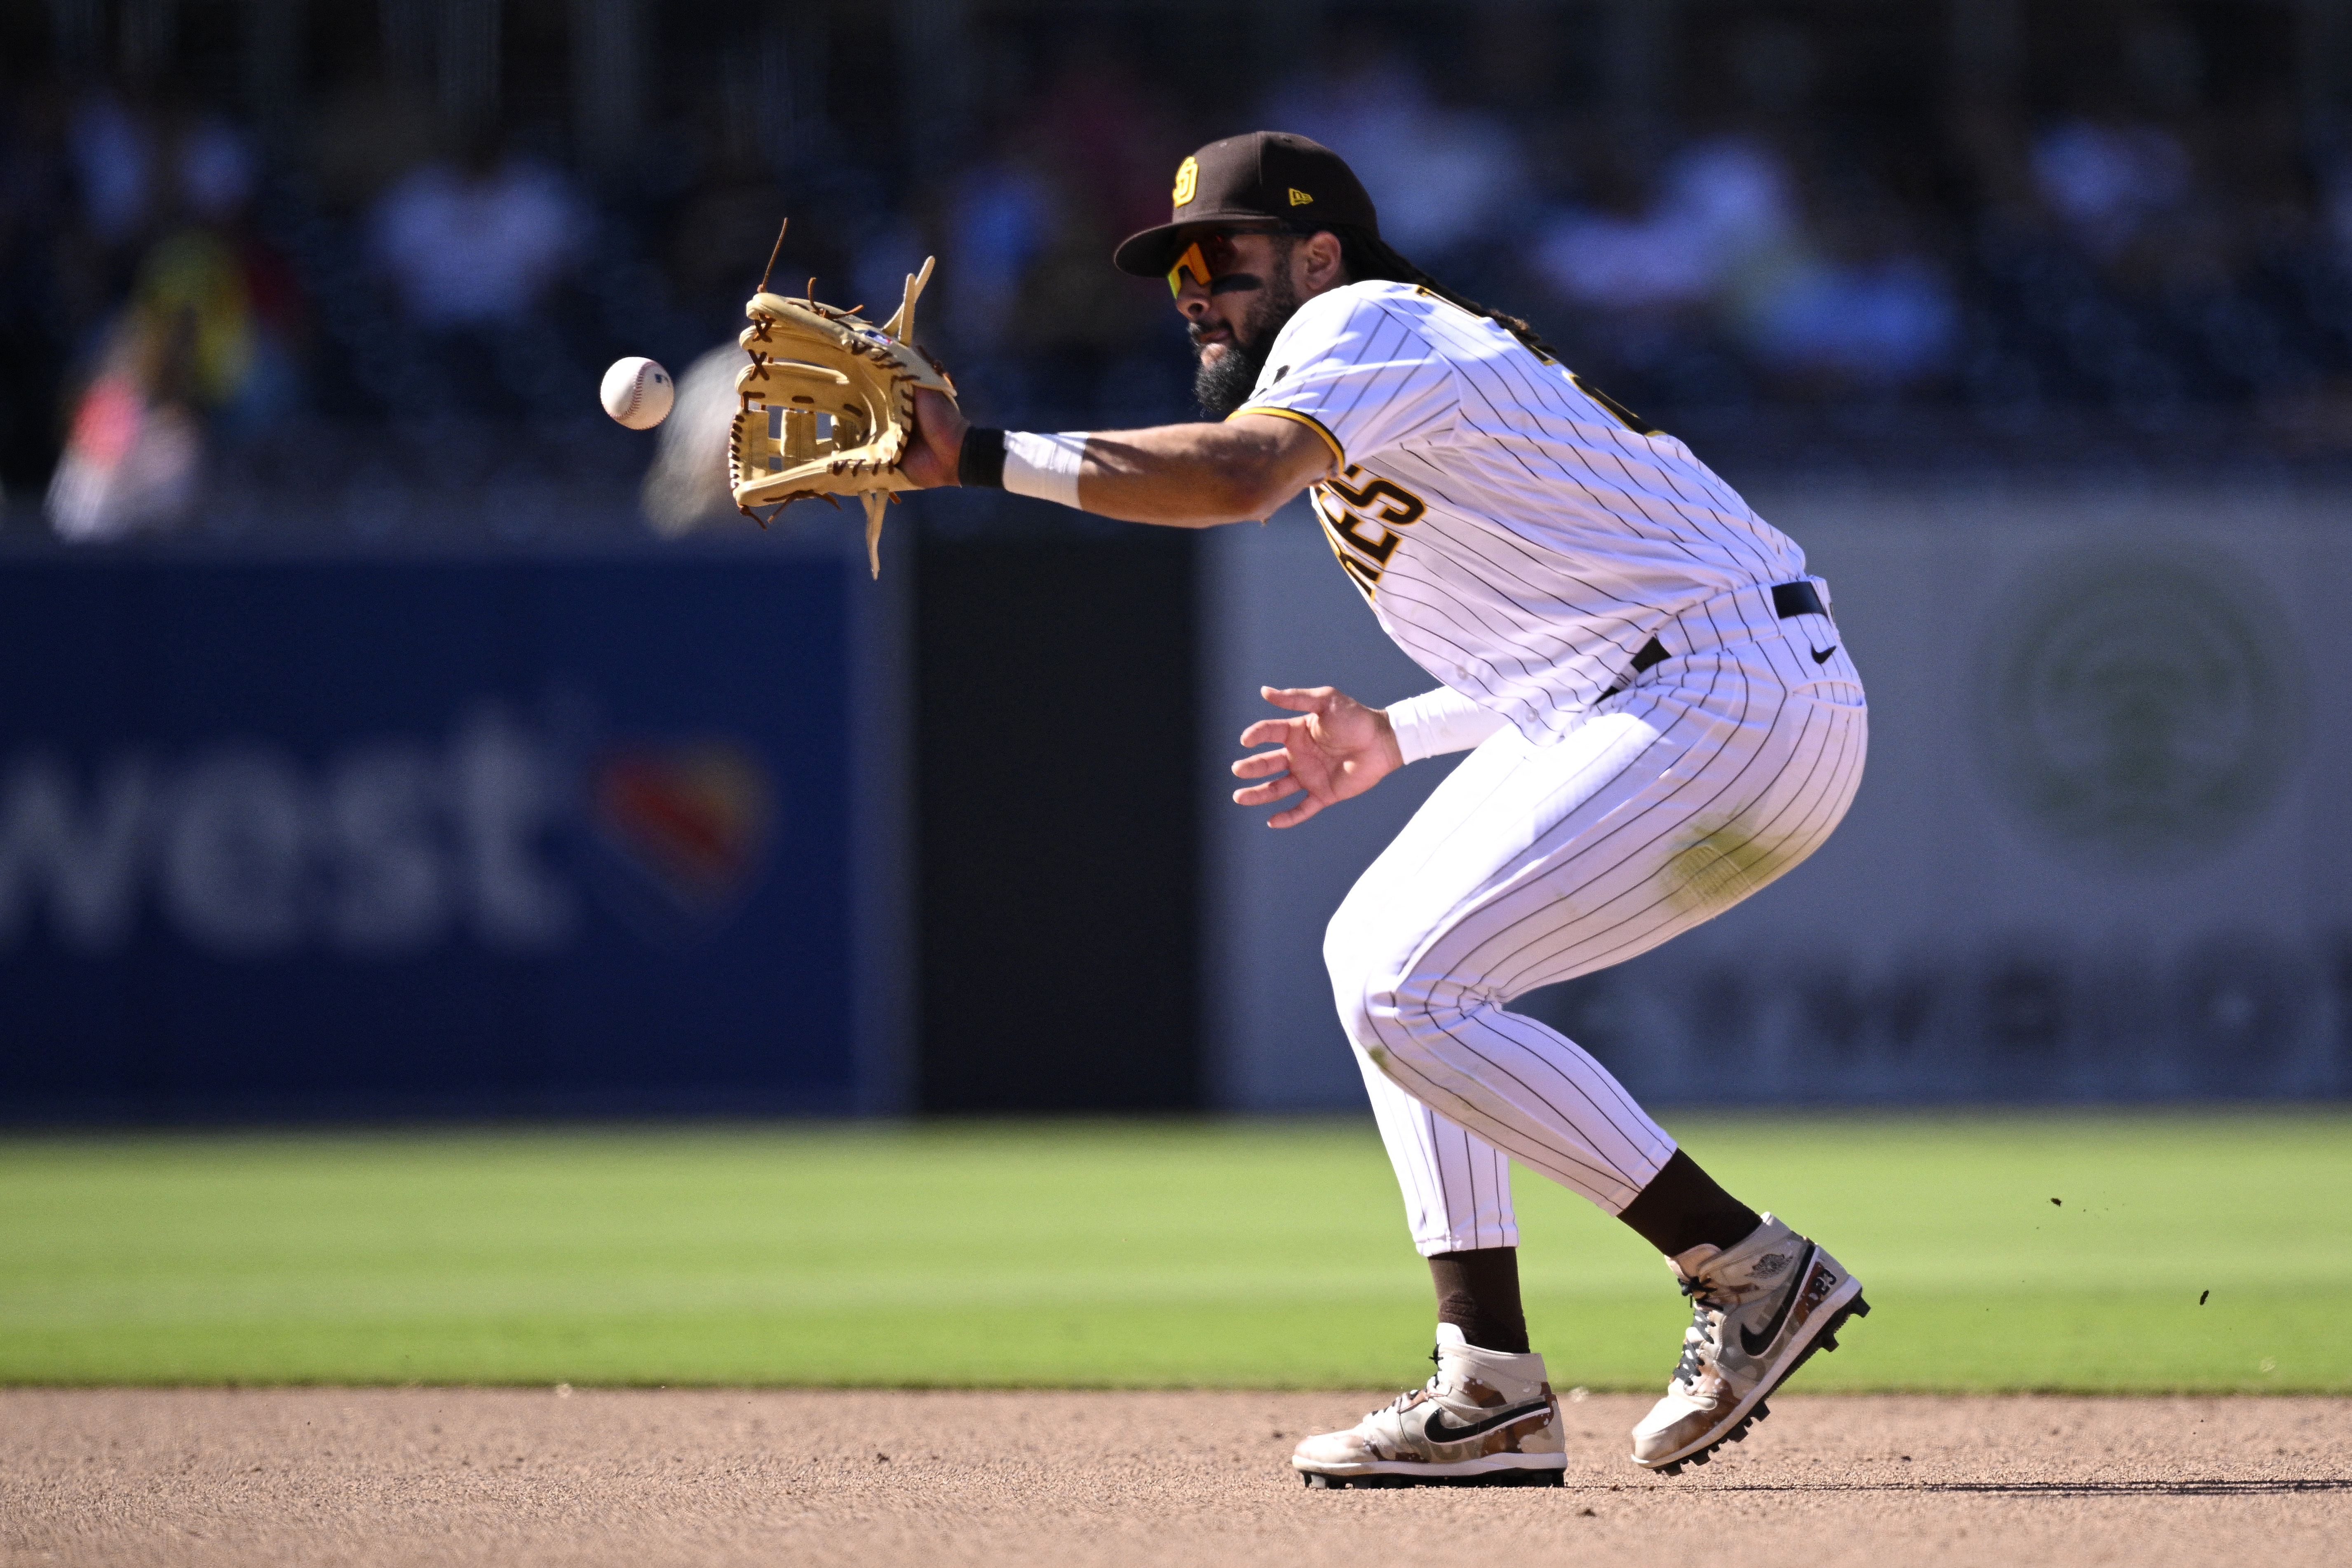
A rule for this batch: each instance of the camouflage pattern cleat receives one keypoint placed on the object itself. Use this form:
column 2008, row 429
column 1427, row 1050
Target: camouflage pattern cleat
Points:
column 1759, row 1310
column 1487, row 1419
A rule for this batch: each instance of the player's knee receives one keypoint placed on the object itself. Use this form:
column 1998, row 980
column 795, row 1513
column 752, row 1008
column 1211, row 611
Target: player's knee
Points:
column 1394, row 1013
column 1393, row 1000
column 1339, row 945
column 1355, row 997
column 1359, row 981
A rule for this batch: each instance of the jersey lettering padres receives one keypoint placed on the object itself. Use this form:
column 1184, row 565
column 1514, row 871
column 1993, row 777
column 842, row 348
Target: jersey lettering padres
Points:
column 1517, row 537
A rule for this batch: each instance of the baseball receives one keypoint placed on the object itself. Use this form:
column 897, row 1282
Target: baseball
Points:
column 637, row 392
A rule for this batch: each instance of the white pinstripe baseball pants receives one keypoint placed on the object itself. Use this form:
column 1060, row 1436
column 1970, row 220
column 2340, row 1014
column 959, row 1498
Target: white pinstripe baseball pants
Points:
column 1534, row 864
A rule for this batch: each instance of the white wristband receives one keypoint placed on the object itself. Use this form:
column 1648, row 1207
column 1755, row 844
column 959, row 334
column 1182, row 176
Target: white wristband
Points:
column 1046, row 467
column 1439, row 721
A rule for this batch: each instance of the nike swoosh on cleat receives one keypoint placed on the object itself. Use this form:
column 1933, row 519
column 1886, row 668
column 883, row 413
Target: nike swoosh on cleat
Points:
column 1822, row 655
column 1755, row 1344
column 1439, row 1430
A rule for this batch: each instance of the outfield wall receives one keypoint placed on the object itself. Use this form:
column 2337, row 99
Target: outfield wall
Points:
column 2099, row 852
column 623, row 830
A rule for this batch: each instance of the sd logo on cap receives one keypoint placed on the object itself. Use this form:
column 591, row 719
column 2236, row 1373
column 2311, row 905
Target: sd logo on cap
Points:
column 1250, row 180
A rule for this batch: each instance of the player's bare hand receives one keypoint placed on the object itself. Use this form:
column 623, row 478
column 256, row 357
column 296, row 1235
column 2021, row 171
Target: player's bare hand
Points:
column 1336, row 749
column 933, row 457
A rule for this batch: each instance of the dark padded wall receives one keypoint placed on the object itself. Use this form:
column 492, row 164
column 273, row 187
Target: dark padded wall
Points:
column 1059, row 858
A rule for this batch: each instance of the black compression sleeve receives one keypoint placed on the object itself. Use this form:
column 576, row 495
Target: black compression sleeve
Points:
column 1478, row 1292
column 1682, row 1207
column 981, row 464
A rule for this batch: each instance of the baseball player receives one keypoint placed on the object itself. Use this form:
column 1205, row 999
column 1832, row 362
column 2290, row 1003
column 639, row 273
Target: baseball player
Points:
column 1661, row 717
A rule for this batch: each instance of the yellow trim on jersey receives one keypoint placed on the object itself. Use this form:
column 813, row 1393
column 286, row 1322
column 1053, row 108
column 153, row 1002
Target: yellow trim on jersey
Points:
column 1338, row 454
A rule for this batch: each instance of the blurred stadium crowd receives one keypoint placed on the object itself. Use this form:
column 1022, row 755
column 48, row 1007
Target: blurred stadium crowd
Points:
column 259, row 251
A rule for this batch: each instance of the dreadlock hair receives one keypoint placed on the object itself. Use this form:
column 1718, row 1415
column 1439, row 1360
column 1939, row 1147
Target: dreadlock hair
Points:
column 1367, row 257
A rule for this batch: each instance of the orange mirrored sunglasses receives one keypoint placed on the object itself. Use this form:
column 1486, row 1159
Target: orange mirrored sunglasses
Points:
column 1195, row 260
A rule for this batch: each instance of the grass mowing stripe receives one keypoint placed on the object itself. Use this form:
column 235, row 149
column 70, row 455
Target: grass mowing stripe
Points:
column 1136, row 1254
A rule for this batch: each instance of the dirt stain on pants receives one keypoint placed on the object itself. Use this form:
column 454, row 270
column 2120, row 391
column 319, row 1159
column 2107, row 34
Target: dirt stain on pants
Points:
column 1719, row 868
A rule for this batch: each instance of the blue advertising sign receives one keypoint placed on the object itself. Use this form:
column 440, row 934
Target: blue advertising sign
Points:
column 384, row 837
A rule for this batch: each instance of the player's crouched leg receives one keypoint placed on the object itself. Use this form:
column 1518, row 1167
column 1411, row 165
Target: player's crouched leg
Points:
column 1506, row 1077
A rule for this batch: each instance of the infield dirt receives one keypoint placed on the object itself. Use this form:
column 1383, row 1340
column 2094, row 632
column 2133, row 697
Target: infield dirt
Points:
column 648, row 1479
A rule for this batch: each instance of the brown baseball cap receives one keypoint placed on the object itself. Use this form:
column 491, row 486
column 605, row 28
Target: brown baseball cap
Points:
column 1265, row 175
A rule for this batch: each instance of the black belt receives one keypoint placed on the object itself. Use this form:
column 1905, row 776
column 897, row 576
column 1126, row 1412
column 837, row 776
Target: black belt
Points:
column 1799, row 598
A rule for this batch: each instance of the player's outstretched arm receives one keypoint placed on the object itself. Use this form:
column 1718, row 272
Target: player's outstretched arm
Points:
column 1198, row 475
column 1336, row 749
column 1183, row 476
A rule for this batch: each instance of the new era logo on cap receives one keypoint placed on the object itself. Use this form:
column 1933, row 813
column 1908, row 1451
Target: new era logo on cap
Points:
column 1299, row 198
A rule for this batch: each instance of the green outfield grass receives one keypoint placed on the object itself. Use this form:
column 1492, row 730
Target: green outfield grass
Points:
column 1138, row 1254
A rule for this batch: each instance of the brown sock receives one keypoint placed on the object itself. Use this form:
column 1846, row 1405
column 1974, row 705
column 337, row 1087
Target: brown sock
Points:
column 1682, row 1207
column 1478, row 1292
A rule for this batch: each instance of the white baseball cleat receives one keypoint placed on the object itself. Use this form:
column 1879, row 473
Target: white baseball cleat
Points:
column 1758, row 1311
column 1487, row 1419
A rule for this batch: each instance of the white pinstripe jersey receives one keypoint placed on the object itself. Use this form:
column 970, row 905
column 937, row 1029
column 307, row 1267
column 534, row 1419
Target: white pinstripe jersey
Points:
column 1517, row 538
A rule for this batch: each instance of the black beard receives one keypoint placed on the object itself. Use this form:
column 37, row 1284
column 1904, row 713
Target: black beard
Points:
column 1222, row 384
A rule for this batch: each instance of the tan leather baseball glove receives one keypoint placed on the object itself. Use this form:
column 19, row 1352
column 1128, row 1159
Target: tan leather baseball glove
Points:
column 828, row 406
